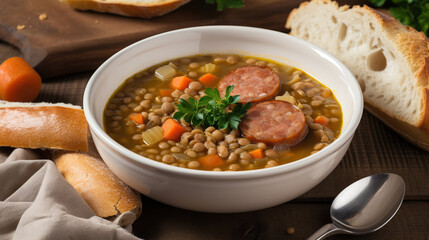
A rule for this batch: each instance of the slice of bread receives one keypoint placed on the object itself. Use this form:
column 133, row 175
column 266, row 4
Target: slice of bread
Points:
column 104, row 192
column 43, row 125
column 130, row 8
column 390, row 60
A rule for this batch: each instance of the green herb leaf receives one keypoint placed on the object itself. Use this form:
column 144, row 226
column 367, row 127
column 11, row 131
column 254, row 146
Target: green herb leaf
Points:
column 242, row 109
column 188, row 118
column 234, row 120
column 221, row 4
column 192, row 101
column 234, row 99
column 204, row 101
column 223, row 123
column 228, row 91
column 414, row 13
column 184, row 106
column 211, row 120
column 197, row 119
column 402, row 14
column 378, row 3
column 423, row 19
column 212, row 110
column 214, row 93
column 179, row 115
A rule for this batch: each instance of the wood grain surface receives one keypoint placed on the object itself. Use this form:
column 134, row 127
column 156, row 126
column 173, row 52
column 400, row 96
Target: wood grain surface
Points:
column 70, row 41
column 374, row 149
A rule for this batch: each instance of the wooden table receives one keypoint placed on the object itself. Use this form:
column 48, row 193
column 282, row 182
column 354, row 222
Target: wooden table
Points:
column 375, row 149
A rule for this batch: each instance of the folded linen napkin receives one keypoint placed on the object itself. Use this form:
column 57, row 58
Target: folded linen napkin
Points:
column 36, row 202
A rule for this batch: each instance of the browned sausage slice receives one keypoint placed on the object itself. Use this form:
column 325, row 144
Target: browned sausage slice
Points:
column 274, row 122
column 252, row 83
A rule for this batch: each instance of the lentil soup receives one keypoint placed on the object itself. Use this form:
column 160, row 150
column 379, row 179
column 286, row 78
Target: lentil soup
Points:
column 292, row 115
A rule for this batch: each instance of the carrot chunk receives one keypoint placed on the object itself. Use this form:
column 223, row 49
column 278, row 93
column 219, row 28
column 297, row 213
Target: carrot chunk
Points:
column 173, row 130
column 137, row 118
column 181, row 82
column 208, row 79
column 211, row 161
column 257, row 153
column 165, row 92
column 322, row 120
column 19, row 82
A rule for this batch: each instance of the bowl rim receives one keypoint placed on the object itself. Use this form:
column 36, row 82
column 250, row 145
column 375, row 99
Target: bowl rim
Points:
column 135, row 158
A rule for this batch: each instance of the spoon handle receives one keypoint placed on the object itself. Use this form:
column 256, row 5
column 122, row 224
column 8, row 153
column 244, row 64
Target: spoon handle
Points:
column 325, row 231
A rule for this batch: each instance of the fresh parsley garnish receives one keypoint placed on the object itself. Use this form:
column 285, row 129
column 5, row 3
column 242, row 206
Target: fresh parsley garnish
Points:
column 222, row 4
column 212, row 110
column 414, row 13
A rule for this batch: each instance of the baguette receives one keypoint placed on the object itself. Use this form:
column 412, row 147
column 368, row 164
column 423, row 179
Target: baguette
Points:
column 105, row 193
column 43, row 125
column 130, row 8
column 390, row 60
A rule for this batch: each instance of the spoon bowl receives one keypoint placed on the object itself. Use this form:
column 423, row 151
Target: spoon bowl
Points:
column 365, row 206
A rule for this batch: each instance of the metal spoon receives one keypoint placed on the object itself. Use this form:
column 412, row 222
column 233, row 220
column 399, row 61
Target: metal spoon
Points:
column 365, row 206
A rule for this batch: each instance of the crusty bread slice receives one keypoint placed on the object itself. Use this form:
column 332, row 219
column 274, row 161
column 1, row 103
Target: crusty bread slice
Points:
column 105, row 193
column 130, row 8
column 43, row 125
column 390, row 60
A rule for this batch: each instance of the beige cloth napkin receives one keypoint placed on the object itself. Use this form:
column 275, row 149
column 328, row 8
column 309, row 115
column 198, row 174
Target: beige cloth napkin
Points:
column 36, row 202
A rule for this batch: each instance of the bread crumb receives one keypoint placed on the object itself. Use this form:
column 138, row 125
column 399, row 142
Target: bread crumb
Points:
column 43, row 17
column 20, row 27
column 290, row 230
column 96, row 21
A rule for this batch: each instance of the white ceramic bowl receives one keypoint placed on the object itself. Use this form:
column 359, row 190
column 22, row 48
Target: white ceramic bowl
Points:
column 222, row 191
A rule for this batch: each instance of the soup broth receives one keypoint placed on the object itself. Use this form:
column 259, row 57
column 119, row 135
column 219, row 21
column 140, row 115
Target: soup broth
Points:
column 147, row 100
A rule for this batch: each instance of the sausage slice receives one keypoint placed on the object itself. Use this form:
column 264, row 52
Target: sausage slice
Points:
column 274, row 122
column 252, row 83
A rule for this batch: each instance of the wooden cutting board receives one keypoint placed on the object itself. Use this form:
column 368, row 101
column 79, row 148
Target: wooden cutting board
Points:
column 70, row 41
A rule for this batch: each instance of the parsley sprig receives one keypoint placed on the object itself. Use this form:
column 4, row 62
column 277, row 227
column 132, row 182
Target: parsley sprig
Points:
column 221, row 4
column 414, row 13
column 212, row 110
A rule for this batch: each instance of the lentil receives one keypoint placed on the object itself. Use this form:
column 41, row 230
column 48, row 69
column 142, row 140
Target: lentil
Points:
column 243, row 141
column 175, row 149
column 218, row 135
column 194, row 65
column 193, row 164
column 199, row 147
column 191, row 154
column 245, row 156
column 234, row 167
column 222, row 151
column 271, row 153
column 196, row 86
column 211, row 151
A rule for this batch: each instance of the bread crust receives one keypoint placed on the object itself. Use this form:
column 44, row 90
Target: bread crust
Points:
column 55, row 127
column 105, row 193
column 416, row 136
column 141, row 10
column 413, row 47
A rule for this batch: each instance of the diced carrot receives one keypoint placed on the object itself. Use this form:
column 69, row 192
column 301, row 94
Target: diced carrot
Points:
column 211, row 161
column 257, row 153
column 322, row 120
column 173, row 130
column 18, row 81
column 137, row 118
column 181, row 82
column 165, row 92
column 208, row 79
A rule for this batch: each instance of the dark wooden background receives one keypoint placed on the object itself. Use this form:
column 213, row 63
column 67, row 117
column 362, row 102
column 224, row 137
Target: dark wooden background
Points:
column 72, row 48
